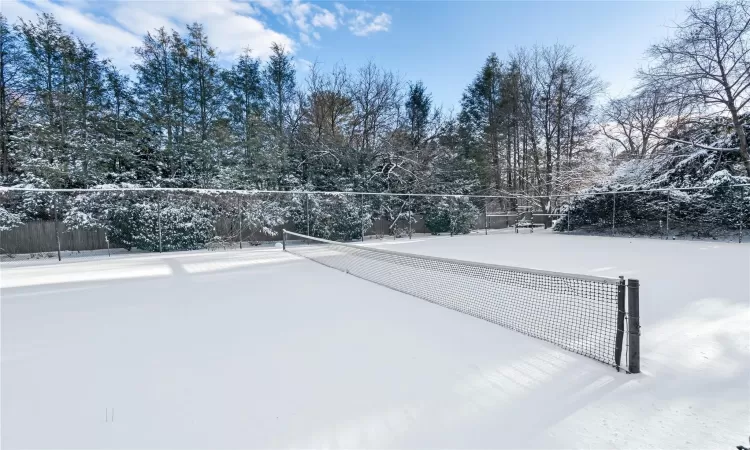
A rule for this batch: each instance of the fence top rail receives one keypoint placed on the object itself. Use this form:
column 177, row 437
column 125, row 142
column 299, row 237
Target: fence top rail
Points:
column 548, row 273
column 393, row 194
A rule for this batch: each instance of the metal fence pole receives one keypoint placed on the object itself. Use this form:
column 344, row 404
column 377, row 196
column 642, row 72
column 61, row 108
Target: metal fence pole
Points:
column 634, row 327
column 742, row 211
column 409, row 199
column 362, row 220
column 283, row 239
column 668, row 195
column 158, row 220
column 307, row 212
column 570, row 210
column 486, row 219
column 57, row 226
column 614, row 201
column 239, row 209
column 395, row 223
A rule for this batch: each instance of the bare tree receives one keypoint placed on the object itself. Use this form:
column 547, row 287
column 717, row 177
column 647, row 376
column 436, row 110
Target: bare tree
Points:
column 708, row 63
column 631, row 122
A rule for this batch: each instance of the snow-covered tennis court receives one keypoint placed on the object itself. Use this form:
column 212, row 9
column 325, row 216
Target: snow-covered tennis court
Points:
column 258, row 348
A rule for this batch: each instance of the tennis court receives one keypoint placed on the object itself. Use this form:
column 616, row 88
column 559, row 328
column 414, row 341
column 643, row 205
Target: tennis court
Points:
column 260, row 348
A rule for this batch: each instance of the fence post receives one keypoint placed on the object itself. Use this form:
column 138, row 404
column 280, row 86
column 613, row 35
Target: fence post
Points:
column 57, row 227
column 620, row 321
column 307, row 212
column 634, row 327
column 158, row 220
column 239, row 209
column 362, row 223
column 485, row 216
column 742, row 211
column 668, row 195
column 570, row 210
column 283, row 239
column 409, row 199
column 614, row 201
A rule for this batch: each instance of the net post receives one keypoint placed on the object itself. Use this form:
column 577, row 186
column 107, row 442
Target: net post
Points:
column 634, row 326
column 620, row 326
column 57, row 226
column 283, row 239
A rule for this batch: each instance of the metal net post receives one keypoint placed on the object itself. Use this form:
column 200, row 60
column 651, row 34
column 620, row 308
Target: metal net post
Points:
column 620, row 326
column 634, row 327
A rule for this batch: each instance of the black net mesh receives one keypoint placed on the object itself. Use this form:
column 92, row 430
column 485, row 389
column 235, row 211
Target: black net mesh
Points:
column 578, row 313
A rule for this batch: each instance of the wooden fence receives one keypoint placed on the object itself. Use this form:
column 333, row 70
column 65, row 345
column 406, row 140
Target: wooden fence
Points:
column 39, row 237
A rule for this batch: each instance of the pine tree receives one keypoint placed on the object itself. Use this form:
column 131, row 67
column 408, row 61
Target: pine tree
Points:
column 12, row 92
column 245, row 104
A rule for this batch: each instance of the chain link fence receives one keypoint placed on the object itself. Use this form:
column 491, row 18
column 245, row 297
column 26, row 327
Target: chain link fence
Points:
column 38, row 224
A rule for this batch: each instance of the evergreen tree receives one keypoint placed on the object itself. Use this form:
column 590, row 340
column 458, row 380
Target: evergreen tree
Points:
column 12, row 91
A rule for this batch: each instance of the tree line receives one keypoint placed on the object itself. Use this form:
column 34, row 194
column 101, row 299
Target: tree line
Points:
column 528, row 124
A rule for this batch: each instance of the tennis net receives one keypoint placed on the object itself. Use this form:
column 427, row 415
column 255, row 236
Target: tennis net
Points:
column 583, row 314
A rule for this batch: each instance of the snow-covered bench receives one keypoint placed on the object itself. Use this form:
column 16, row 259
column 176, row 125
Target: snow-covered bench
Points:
column 525, row 220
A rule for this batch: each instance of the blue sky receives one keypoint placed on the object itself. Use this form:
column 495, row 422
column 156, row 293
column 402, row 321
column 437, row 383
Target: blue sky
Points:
column 441, row 43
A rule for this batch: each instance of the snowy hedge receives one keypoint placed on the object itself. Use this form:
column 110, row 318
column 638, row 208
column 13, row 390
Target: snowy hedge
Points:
column 336, row 217
column 135, row 219
column 454, row 215
column 9, row 220
column 713, row 209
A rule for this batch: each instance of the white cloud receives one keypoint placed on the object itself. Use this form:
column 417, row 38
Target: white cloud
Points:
column 306, row 17
column 113, row 42
column 120, row 27
column 13, row 9
column 117, row 26
column 362, row 23
column 230, row 24
column 275, row 6
column 325, row 19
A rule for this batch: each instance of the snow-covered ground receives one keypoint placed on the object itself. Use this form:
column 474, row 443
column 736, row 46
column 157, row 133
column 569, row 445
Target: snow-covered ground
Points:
column 258, row 348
